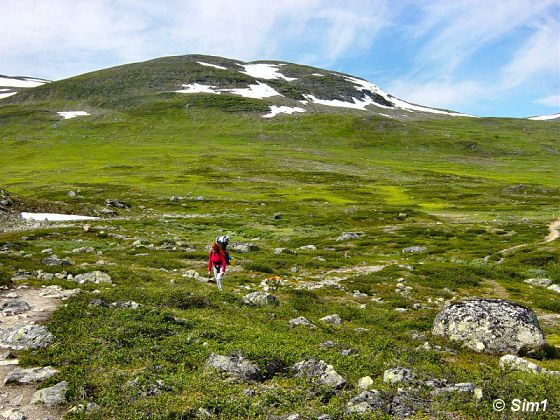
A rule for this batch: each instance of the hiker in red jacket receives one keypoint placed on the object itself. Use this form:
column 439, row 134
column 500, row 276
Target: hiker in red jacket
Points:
column 217, row 264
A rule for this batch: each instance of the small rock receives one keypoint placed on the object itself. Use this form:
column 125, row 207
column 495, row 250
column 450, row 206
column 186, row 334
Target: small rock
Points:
column 512, row 362
column 365, row 383
column 414, row 249
column 125, row 304
column 344, row 236
column 327, row 344
column 174, row 199
column 13, row 414
column 117, row 203
column 554, row 288
column 294, row 270
column 260, row 299
column 308, row 248
column 53, row 260
column 277, row 216
column 398, row 375
column 14, row 307
column 92, row 277
column 86, row 228
column 333, row 319
column 243, row 247
column 235, row 366
column 369, row 401
column 349, row 352
column 538, row 282
column 99, row 302
column 47, row 251
column 83, row 250
column 26, row 376
column 320, row 372
column 301, row 320
column 51, row 396
column 21, row 337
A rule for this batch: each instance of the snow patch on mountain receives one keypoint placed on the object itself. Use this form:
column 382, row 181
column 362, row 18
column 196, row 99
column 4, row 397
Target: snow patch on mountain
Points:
column 357, row 104
column 23, row 82
column 258, row 91
column 212, row 65
column 545, row 117
column 264, row 71
column 6, row 95
column 72, row 114
column 275, row 110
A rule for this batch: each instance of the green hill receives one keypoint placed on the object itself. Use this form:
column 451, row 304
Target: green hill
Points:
column 441, row 207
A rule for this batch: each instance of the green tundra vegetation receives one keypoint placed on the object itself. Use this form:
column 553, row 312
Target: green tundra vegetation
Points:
column 476, row 197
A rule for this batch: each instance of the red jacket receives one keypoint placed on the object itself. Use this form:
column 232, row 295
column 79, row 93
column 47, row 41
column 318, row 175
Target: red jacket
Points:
column 217, row 258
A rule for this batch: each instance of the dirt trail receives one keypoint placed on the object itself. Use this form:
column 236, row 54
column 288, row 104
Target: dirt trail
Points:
column 554, row 233
column 16, row 398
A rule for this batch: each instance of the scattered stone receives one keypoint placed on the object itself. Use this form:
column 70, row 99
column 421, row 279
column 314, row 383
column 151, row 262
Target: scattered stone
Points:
column 279, row 251
column 539, row 282
column 235, row 366
column 327, row 344
column 22, row 337
column 88, row 408
column 333, row 319
column 301, row 320
column 398, row 375
column 463, row 388
column 491, row 326
column 414, row 249
column 402, row 216
column 107, row 212
column 308, row 248
column 349, row 352
column 294, row 270
column 130, row 304
column 14, row 307
column 243, row 247
column 554, row 288
column 83, row 250
column 175, row 199
column 358, row 294
column 345, row 236
column 92, row 277
column 405, row 404
column 365, row 383
column 369, row 401
column 45, row 276
column 260, row 299
column 512, row 362
column 117, row 203
column 51, row 396
column 13, row 414
column 25, row 376
column 277, row 216
column 86, row 228
column 99, row 303
column 320, row 372
column 52, row 260
column 11, row 295
column 47, row 251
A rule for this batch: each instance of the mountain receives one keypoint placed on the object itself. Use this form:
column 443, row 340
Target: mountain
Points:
column 11, row 85
column 279, row 87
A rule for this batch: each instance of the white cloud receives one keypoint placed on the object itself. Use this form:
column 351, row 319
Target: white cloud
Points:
column 551, row 100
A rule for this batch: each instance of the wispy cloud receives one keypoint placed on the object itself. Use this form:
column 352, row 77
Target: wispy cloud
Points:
column 551, row 100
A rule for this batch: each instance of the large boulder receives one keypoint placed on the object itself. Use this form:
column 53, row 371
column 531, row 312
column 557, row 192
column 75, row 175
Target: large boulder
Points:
column 492, row 326
column 28, row 375
column 93, row 277
column 51, row 396
column 22, row 337
column 235, row 367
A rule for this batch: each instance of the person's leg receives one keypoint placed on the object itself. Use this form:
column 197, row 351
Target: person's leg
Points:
column 219, row 278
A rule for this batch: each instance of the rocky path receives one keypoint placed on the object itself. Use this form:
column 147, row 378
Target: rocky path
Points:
column 22, row 311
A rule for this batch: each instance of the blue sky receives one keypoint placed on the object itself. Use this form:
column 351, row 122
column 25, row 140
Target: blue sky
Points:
column 481, row 57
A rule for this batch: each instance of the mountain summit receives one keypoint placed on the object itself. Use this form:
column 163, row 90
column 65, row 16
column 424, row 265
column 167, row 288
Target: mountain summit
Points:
column 278, row 86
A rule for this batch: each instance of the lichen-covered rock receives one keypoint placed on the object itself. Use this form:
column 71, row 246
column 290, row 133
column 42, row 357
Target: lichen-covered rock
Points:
column 398, row 375
column 22, row 337
column 369, row 401
column 308, row 248
column 51, row 396
column 365, row 383
column 93, row 277
column 236, row 367
column 554, row 288
column 344, row 236
column 491, row 326
column 333, row 319
column 243, row 247
column 301, row 321
column 320, row 372
column 260, row 299
column 25, row 376
column 512, row 362
column 538, row 282
column 414, row 249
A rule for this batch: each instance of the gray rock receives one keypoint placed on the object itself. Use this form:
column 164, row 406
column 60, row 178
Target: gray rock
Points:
column 398, row 375
column 175, row 199
column 51, row 396
column 414, row 249
column 308, row 248
column 538, row 282
column 405, row 404
column 369, row 401
column 512, row 362
column 13, row 414
column 345, row 236
column 92, row 277
column 236, row 367
column 99, row 302
column 327, row 344
column 463, row 388
column 25, row 376
column 319, row 372
column 53, row 260
column 14, row 307
column 333, row 319
column 365, row 383
column 107, row 212
column 491, row 326
column 301, row 320
column 277, row 216
column 279, row 251
column 22, row 337
column 83, row 250
column 554, row 288
column 80, row 408
column 243, row 247
column 260, row 299
column 130, row 304
column 117, row 203
column 349, row 352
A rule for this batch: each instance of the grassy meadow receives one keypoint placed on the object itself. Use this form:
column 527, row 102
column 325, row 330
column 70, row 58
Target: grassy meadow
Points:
column 463, row 188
